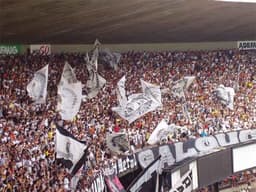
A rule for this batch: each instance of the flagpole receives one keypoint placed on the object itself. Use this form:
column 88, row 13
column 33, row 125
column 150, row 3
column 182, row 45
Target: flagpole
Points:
column 237, row 79
column 157, row 181
column 185, row 104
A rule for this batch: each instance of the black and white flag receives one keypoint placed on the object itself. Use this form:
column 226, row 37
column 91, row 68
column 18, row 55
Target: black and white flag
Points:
column 68, row 75
column 95, row 81
column 226, row 96
column 70, row 152
column 95, row 54
column 118, row 142
column 181, row 85
column 69, row 100
column 139, row 104
column 160, row 132
column 110, row 58
column 37, row 88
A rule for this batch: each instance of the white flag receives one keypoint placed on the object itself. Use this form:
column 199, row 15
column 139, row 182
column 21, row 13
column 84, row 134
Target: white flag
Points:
column 95, row 81
column 121, row 93
column 117, row 142
column 181, row 85
column 139, row 104
column 159, row 133
column 69, row 150
column 185, row 184
column 178, row 88
column 152, row 91
column 226, row 96
column 69, row 100
column 188, row 81
column 95, row 54
column 112, row 58
column 37, row 88
column 68, row 75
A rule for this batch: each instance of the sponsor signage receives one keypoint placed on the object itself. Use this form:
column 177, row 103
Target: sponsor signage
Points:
column 9, row 49
column 244, row 157
column 185, row 184
column 42, row 49
column 246, row 45
column 220, row 167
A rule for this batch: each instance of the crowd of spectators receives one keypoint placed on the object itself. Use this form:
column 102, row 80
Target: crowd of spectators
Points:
column 27, row 153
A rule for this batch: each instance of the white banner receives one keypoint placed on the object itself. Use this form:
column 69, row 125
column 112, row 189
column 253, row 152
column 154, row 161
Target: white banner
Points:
column 43, row 49
column 185, row 184
column 226, row 96
column 69, row 100
column 37, row 88
column 246, row 45
column 140, row 103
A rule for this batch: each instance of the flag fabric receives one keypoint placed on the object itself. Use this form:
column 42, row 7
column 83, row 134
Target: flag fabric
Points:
column 178, row 88
column 69, row 100
column 95, row 54
column 159, row 133
column 70, row 152
column 140, row 103
column 181, row 85
column 185, row 184
column 114, row 184
column 94, row 83
column 188, row 81
column 121, row 93
column 111, row 58
column 226, row 96
column 149, row 173
column 117, row 142
column 68, row 75
column 37, row 88
column 152, row 91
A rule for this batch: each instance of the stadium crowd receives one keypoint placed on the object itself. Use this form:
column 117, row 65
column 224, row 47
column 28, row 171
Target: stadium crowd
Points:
column 27, row 155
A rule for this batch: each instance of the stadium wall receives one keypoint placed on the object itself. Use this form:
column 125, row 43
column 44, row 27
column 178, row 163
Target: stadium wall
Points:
column 57, row 48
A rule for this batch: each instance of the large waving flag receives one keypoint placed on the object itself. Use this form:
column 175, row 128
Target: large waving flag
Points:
column 140, row 103
column 69, row 151
column 69, row 100
column 68, row 75
column 37, row 88
column 226, row 96
column 152, row 91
